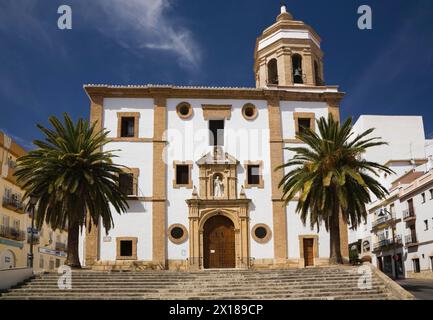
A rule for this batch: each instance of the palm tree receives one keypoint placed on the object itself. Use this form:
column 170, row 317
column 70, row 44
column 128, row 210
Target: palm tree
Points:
column 331, row 178
column 73, row 180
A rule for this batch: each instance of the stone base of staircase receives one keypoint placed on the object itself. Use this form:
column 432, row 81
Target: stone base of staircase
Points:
column 328, row 283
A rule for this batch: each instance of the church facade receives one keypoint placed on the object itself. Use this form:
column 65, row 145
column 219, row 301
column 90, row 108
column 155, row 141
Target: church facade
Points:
column 200, row 164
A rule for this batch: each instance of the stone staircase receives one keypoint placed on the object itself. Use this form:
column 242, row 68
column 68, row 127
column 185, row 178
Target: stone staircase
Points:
column 331, row 283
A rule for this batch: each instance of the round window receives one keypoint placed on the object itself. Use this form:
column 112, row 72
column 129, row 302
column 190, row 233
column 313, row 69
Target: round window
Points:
column 249, row 111
column 177, row 233
column 261, row 232
column 184, row 110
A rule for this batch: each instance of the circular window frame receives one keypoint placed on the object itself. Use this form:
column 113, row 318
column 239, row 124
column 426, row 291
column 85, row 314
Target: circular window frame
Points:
column 181, row 105
column 254, row 116
column 181, row 239
column 268, row 236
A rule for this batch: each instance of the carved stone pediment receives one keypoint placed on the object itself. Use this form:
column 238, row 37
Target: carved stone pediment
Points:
column 218, row 176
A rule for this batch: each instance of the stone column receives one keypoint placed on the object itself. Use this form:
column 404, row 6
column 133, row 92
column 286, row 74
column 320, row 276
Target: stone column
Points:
column 307, row 67
column 277, row 159
column 284, row 60
column 159, row 210
column 92, row 238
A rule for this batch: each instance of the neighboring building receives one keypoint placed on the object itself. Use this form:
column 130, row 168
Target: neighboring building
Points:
column 399, row 228
column 15, row 223
column 203, row 192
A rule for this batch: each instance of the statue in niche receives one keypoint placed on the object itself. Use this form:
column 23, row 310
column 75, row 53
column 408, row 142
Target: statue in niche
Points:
column 218, row 189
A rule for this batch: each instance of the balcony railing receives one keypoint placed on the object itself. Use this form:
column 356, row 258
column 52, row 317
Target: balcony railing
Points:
column 408, row 214
column 60, row 246
column 410, row 240
column 12, row 233
column 385, row 243
column 13, row 203
column 383, row 220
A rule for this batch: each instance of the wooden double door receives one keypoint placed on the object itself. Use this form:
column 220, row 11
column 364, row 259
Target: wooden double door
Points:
column 219, row 243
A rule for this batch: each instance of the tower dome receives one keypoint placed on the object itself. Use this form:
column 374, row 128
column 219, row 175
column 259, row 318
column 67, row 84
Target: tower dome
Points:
column 288, row 54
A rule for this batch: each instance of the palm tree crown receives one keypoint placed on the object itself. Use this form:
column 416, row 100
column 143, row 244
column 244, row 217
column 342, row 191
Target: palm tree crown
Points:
column 73, row 179
column 331, row 178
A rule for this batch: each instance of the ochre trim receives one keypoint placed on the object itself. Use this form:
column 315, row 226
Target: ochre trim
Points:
column 277, row 159
column 304, row 115
column 217, row 112
column 190, row 110
column 134, row 248
column 120, row 115
column 268, row 233
column 135, row 173
column 159, row 208
column 255, row 112
column 180, row 240
column 261, row 184
column 92, row 237
column 190, row 166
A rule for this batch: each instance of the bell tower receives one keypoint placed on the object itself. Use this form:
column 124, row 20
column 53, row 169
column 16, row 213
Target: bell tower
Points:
column 288, row 54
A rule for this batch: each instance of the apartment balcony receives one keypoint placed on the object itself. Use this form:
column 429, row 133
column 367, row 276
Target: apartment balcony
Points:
column 387, row 244
column 411, row 240
column 383, row 222
column 409, row 215
column 12, row 233
column 60, row 246
column 12, row 203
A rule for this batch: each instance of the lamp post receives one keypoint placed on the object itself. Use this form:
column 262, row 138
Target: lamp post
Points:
column 32, row 202
column 394, row 245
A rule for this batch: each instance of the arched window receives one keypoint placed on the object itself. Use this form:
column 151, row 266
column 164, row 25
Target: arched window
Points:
column 297, row 68
column 317, row 78
column 272, row 72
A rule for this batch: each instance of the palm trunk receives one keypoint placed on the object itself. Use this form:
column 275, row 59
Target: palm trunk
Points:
column 334, row 230
column 73, row 259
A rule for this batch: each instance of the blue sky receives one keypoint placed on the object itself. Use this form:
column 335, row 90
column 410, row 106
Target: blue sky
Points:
column 387, row 70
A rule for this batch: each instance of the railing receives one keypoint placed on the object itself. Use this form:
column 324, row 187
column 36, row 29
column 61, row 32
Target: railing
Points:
column 13, row 203
column 12, row 233
column 60, row 246
column 410, row 239
column 407, row 214
column 386, row 243
column 382, row 220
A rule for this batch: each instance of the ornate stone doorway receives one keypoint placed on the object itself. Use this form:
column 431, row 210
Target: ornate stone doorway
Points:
column 219, row 243
column 214, row 211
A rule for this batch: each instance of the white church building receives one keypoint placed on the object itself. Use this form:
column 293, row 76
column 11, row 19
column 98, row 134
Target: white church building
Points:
column 203, row 192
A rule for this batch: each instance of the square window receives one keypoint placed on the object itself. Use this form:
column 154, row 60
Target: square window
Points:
column 253, row 174
column 216, row 132
column 182, row 174
column 126, row 248
column 126, row 183
column 127, row 129
column 303, row 124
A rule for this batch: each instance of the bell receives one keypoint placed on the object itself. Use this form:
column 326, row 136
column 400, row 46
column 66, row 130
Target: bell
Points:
column 297, row 73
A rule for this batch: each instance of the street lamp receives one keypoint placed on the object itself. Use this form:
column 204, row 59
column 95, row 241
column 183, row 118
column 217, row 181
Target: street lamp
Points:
column 394, row 245
column 32, row 203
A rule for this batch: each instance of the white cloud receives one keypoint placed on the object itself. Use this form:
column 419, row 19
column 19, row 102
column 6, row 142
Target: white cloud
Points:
column 145, row 24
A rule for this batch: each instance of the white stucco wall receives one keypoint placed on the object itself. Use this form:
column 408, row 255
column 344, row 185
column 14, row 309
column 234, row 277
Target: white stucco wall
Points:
column 404, row 134
column 244, row 140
